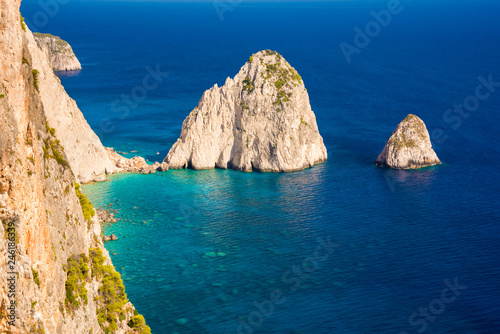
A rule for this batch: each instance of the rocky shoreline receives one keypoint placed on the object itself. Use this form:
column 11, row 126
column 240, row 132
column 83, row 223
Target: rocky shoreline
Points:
column 121, row 164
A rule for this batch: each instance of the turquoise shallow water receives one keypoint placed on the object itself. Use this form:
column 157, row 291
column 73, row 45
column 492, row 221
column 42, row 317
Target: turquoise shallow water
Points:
column 387, row 249
column 398, row 234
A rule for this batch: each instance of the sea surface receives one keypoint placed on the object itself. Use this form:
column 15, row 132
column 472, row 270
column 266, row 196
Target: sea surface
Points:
column 344, row 247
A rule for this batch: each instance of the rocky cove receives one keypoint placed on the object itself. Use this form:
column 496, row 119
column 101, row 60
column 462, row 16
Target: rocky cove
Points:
column 261, row 120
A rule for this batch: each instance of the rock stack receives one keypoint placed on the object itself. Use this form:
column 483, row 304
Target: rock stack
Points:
column 409, row 147
column 260, row 120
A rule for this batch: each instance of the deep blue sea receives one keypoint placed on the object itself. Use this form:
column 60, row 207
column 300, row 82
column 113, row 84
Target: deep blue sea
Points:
column 344, row 247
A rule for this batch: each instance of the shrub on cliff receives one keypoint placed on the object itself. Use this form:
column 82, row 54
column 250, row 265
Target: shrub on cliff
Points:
column 35, row 78
column 87, row 208
column 77, row 274
column 112, row 297
column 139, row 324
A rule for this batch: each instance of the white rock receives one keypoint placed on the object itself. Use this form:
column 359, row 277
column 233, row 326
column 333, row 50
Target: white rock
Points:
column 260, row 120
column 85, row 153
column 3, row 200
column 59, row 53
column 164, row 167
column 409, row 147
column 100, row 178
column 122, row 163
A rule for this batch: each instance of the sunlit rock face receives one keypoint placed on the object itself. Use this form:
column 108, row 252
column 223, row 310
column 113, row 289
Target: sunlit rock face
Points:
column 59, row 53
column 409, row 146
column 259, row 120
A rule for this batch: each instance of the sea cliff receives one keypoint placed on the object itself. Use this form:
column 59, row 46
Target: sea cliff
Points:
column 58, row 52
column 56, row 276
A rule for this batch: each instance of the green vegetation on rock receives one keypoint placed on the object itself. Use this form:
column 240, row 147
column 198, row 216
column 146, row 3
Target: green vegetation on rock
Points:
column 279, row 83
column 244, row 105
column 77, row 275
column 405, row 139
column 54, row 251
column 296, row 77
column 35, row 277
column 139, row 324
column 304, row 122
column 35, row 78
column 409, row 118
column 284, row 76
column 23, row 25
column 61, row 45
column 87, row 208
column 39, row 34
column 248, row 84
column 37, row 328
column 53, row 149
column 112, row 297
column 50, row 130
column 400, row 143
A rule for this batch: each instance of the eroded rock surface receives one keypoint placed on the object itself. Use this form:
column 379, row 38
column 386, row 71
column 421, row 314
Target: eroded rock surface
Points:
column 260, row 120
column 409, row 146
column 59, row 53
column 48, row 229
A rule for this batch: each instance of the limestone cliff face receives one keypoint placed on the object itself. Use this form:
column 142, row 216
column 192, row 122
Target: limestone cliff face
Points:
column 409, row 147
column 260, row 120
column 86, row 155
column 88, row 158
column 58, row 52
column 43, row 222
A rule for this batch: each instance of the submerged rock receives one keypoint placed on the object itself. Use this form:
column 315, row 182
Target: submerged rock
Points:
column 210, row 254
column 409, row 146
column 105, row 216
column 111, row 237
column 260, row 120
